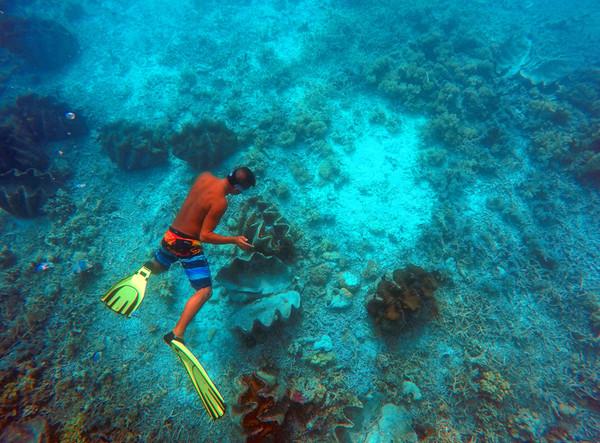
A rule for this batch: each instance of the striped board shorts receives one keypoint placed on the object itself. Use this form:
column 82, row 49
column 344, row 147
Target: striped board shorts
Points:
column 177, row 246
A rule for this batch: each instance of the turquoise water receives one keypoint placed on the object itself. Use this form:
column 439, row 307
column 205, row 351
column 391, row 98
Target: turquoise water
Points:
column 431, row 169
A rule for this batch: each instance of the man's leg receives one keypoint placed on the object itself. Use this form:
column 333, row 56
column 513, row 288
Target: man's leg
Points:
column 192, row 307
column 155, row 266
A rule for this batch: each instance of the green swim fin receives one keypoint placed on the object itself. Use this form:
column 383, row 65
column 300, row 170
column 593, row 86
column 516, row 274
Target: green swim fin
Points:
column 127, row 295
column 210, row 397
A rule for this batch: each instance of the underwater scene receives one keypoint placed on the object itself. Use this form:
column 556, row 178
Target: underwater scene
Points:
column 300, row 221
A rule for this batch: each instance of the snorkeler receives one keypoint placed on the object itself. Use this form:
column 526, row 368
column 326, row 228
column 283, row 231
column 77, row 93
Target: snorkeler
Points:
column 194, row 225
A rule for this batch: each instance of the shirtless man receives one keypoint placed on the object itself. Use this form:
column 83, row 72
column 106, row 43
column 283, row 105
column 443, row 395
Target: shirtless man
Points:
column 195, row 224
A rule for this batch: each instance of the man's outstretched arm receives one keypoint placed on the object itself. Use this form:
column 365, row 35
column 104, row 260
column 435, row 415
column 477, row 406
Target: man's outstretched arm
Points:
column 207, row 234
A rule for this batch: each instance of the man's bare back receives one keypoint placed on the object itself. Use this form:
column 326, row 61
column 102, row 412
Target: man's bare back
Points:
column 206, row 195
column 203, row 208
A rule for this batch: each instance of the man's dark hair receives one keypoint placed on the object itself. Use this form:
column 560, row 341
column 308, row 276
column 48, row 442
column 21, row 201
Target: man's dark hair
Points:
column 242, row 176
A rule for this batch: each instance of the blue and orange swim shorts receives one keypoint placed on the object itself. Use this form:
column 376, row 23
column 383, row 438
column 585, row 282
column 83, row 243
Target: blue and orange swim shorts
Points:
column 177, row 246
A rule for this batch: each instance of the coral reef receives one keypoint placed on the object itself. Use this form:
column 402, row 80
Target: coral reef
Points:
column 525, row 426
column 270, row 410
column 339, row 299
column 449, row 129
column 443, row 432
column 60, row 207
column 300, row 172
column 25, row 390
column 411, row 391
column 319, row 359
column 377, row 421
column 7, row 257
column 394, row 423
column 320, row 274
column 582, row 91
column 43, row 44
column 493, row 386
column 132, row 146
column 310, row 125
column 316, row 352
column 546, row 110
column 205, row 144
column 589, row 168
column 35, row 430
column 349, row 281
column 265, row 227
column 399, row 298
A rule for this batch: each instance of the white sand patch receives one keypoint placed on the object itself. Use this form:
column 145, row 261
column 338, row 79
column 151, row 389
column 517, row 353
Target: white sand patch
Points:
column 383, row 205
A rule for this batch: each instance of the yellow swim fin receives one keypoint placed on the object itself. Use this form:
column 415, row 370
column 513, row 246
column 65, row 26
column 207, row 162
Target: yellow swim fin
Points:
column 127, row 295
column 210, row 397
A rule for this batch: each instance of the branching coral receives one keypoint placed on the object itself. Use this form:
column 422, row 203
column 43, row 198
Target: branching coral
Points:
column 60, row 207
column 410, row 82
column 493, row 386
column 397, row 299
column 546, row 110
column 443, row 432
column 310, row 125
column 587, row 163
column 583, row 91
column 525, row 426
column 449, row 130
column 552, row 146
column 480, row 102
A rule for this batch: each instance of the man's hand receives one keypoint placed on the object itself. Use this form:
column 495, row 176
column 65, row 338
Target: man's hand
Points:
column 242, row 243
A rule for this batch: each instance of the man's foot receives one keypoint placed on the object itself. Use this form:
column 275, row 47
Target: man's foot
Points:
column 168, row 338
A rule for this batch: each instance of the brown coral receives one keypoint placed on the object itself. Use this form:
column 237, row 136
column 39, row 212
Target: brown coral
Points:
column 397, row 299
column 493, row 386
